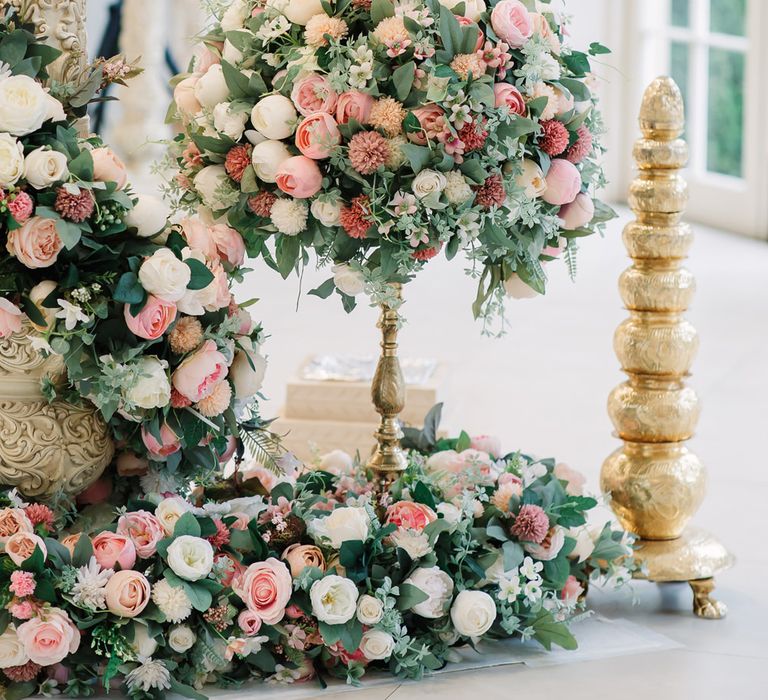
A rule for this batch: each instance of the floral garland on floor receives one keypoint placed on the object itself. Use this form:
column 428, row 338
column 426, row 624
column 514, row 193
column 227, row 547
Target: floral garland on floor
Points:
column 378, row 133
column 318, row 577
column 140, row 311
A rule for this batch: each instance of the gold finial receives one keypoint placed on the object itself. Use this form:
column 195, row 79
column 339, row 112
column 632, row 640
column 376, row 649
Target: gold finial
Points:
column 662, row 114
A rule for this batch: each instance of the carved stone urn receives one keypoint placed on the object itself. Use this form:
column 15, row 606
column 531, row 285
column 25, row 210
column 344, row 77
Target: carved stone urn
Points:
column 45, row 447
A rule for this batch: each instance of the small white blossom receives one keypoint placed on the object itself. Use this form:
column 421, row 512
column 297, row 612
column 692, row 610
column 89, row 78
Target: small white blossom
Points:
column 71, row 314
column 509, row 587
column 531, row 569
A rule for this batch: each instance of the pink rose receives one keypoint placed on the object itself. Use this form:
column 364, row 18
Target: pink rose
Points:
column 198, row 235
column 316, row 136
column 107, row 167
column 487, row 443
column 578, row 213
column 445, row 461
column 49, row 638
column 36, row 244
column 184, row 97
column 512, row 22
column 407, row 514
column 432, row 120
column 265, row 587
column 241, row 521
column 300, row 556
column 197, row 376
column 299, row 177
column 21, row 546
column 98, row 492
column 574, row 478
column 127, row 593
column 168, row 444
column 313, row 94
column 571, row 590
column 509, row 478
column 353, row 105
column 229, row 244
column 144, row 529
column 10, row 318
column 549, row 547
column 509, row 96
column 563, row 182
column 249, row 622
column 153, row 319
column 111, row 549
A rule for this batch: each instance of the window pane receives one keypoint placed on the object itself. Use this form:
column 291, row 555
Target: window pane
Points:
column 679, row 14
column 725, row 112
column 679, row 57
column 728, row 16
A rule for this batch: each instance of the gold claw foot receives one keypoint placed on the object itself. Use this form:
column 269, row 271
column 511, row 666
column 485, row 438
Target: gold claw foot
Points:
column 703, row 605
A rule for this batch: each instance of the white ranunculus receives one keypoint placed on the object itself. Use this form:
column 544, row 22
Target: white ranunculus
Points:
column 472, row 8
column 517, row 289
column 438, row 586
column 415, row 544
column 227, row 122
column 334, row 599
column 473, row 613
column 181, row 638
column 43, row 167
column 143, row 644
column 348, row 280
column 428, row 182
column 370, row 610
column 274, row 116
column 248, row 369
column 24, row 105
column 149, row 215
column 211, row 88
column 301, row 11
column 151, row 388
column 190, row 558
column 234, row 16
column 11, row 160
column 336, row 462
column 11, row 649
column 209, row 183
column 343, row 524
column 267, row 157
column 377, row 645
column 168, row 512
column 531, row 179
column 164, row 275
column 327, row 213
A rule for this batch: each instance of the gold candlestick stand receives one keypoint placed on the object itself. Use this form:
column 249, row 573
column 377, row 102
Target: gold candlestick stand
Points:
column 656, row 484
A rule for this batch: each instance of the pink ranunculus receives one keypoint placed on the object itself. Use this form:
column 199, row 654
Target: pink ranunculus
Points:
column 229, row 244
column 160, row 450
column 127, row 593
column 153, row 319
column 184, row 96
column 578, row 213
column 107, row 167
column 550, row 547
column 487, row 443
column 205, row 58
column 197, row 376
column 317, row 135
column 353, row 105
column 571, row 590
column 36, row 244
column 509, row 96
column 509, row 478
column 10, row 318
column 432, row 120
column 144, row 529
column 21, row 546
column 98, row 492
column 563, row 182
column 313, row 94
column 410, row 515
column 198, row 236
column 49, row 638
column 249, row 622
column 265, row 587
column 512, row 23
column 111, row 550
column 465, row 22
column 299, row 177
column 574, row 478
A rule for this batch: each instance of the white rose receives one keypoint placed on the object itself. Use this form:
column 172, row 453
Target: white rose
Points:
column 472, row 8
column 531, row 179
column 56, row 111
column 248, row 369
column 473, row 613
column 168, row 512
column 190, row 557
column 11, row 649
column 428, row 182
column 230, row 53
column 11, row 160
column 334, row 599
column 370, row 610
column 267, row 157
column 24, row 105
column 274, row 116
column 348, row 280
column 415, row 544
column 301, row 11
column 377, row 645
column 197, row 301
column 585, row 543
column 451, row 513
column 234, row 16
column 152, row 388
column 149, row 215
column 43, row 167
column 517, row 289
column 211, row 88
column 164, row 275
column 227, row 122
column 210, row 183
column 143, row 644
column 346, row 523
column 181, row 638
column 438, row 586
column 327, row 213
column 336, row 462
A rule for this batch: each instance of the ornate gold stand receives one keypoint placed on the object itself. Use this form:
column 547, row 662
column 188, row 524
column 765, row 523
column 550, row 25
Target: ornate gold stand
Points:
column 388, row 394
column 656, row 484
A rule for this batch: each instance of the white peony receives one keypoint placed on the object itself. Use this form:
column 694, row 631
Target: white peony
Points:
column 334, row 599
column 428, row 182
column 43, row 167
column 248, row 369
column 473, row 613
column 234, row 16
column 274, row 116
column 11, row 649
column 370, row 610
column 348, row 280
column 415, row 544
column 213, row 185
column 377, row 645
column 172, row 601
column 181, row 638
column 438, row 586
column 211, row 88
column 168, row 512
column 531, row 179
column 149, row 215
column 25, row 105
column 164, row 275
column 151, row 388
column 190, row 558
column 267, row 157
column 142, row 643
column 343, row 524
column 472, row 8
column 301, row 11
column 11, row 160
column 289, row 216
column 227, row 122
column 327, row 213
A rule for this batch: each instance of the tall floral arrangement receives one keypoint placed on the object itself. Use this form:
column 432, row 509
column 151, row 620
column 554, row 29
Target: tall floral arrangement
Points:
column 380, row 133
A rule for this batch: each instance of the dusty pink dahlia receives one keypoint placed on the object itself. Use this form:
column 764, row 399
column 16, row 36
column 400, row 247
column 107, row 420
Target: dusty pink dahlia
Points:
column 74, row 207
column 490, row 193
column 473, row 135
column 426, row 253
column 582, row 146
column 554, row 137
column 367, row 151
column 221, row 538
column 531, row 524
column 237, row 160
column 355, row 219
column 261, row 204
column 22, row 674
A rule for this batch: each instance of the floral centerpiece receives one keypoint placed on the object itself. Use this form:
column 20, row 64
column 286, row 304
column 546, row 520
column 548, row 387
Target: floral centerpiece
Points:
column 380, row 133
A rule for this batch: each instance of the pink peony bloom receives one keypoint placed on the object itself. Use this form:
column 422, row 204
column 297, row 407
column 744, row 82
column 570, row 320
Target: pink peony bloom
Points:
column 198, row 235
column 563, row 182
column 196, row 377
column 112, row 550
column 512, row 23
column 317, row 136
column 432, row 121
column 107, row 167
column 407, row 514
column 313, row 94
column 229, row 244
column 353, row 105
column 578, row 213
column 36, row 244
column 144, row 529
column 21, row 547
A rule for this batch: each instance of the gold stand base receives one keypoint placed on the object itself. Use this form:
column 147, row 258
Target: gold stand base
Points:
column 695, row 557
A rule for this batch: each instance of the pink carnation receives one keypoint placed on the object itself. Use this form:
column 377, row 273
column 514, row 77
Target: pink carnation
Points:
column 22, row 583
column 21, row 207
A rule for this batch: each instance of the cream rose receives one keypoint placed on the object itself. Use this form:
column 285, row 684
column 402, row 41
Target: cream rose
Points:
column 300, row 556
column 227, row 122
column 164, row 275
column 267, row 157
column 107, row 167
column 377, row 645
column 11, row 160
column 473, row 613
column 274, row 116
column 438, row 586
column 248, row 369
column 36, row 244
column 143, row 644
column 343, row 524
column 50, row 639
column 168, row 512
column 24, row 105
column 184, row 97
column 428, row 182
column 181, row 638
column 151, row 388
column 127, row 593
column 370, row 610
column 301, row 11
column 11, row 649
column 43, row 167
column 149, row 216
column 334, row 599
column 347, row 280
column 190, row 558
column 234, row 16
column 327, row 213
column 211, row 87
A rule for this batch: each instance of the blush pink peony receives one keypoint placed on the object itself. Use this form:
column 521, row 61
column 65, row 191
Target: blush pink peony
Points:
column 153, row 320
column 353, row 105
column 229, row 244
column 563, row 182
column 317, row 136
column 313, row 94
column 299, row 177
column 410, row 515
column 21, row 546
column 144, row 529
column 197, row 376
column 512, row 23
column 36, row 244
column 112, row 550
column 107, row 167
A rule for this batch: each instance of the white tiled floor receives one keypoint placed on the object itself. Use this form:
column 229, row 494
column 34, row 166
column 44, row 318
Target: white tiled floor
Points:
column 543, row 388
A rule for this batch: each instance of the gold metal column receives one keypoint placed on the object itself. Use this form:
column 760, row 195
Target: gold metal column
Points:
column 655, row 482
